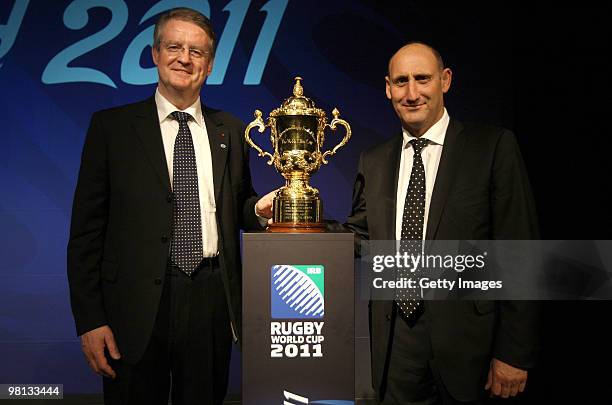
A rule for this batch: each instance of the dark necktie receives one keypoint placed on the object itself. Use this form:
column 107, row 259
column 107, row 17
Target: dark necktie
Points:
column 186, row 250
column 409, row 299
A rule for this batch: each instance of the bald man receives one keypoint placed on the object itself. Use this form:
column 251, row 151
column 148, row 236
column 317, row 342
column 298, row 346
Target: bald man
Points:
column 442, row 179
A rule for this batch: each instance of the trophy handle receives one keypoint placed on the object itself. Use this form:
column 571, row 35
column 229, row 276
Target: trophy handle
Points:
column 332, row 125
column 257, row 122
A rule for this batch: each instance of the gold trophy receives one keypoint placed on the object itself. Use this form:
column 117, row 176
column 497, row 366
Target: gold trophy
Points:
column 297, row 134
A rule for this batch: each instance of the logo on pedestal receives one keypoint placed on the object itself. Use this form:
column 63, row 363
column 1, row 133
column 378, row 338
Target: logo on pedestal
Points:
column 297, row 291
column 294, row 399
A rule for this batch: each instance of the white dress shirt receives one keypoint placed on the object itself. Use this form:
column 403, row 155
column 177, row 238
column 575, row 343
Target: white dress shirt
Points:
column 197, row 127
column 431, row 159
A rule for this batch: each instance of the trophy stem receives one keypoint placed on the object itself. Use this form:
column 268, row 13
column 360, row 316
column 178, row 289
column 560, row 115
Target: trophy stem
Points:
column 298, row 185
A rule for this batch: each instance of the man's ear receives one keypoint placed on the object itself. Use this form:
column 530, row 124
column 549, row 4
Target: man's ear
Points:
column 155, row 54
column 210, row 66
column 388, row 87
column 447, row 78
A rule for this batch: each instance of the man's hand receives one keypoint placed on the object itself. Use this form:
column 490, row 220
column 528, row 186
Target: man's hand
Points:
column 263, row 208
column 505, row 380
column 93, row 344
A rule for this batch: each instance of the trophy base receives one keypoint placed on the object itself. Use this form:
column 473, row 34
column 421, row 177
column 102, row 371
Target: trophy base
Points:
column 297, row 215
column 292, row 227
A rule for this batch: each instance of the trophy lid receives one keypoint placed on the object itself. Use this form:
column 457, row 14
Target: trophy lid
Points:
column 298, row 104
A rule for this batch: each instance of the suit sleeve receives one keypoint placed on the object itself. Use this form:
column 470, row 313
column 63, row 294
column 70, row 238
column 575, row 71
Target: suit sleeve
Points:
column 357, row 222
column 87, row 232
column 514, row 218
column 249, row 222
column 514, row 214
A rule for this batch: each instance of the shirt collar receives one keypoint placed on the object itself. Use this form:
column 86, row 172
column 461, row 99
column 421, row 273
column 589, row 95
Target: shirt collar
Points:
column 165, row 108
column 435, row 134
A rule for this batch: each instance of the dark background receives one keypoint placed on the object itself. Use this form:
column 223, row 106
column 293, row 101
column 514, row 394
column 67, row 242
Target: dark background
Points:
column 539, row 69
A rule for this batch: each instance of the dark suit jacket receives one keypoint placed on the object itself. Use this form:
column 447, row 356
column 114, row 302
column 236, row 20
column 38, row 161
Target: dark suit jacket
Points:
column 481, row 192
column 122, row 218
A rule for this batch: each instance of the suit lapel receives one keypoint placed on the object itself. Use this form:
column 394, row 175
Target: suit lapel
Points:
column 392, row 156
column 219, row 141
column 146, row 124
column 454, row 142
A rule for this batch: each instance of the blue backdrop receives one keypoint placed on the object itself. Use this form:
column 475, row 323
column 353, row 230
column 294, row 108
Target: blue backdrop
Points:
column 61, row 60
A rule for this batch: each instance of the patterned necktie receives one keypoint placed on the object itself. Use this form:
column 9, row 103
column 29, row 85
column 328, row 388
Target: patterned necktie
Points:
column 186, row 250
column 409, row 299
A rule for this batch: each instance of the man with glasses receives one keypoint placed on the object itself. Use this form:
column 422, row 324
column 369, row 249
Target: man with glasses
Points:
column 153, row 256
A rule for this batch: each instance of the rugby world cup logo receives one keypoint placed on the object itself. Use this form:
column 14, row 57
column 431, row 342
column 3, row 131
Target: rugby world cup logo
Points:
column 297, row 291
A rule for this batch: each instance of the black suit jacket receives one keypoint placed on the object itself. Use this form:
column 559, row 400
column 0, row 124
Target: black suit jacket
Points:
column 481, row 192
column 122, row 217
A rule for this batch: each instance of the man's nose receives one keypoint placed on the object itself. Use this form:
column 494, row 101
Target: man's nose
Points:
column 184, row 56
column 412, row 93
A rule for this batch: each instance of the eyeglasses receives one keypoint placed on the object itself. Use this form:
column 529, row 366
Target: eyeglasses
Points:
column 176, row 49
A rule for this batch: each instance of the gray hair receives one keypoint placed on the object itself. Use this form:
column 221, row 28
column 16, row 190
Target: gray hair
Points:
column 188, row 15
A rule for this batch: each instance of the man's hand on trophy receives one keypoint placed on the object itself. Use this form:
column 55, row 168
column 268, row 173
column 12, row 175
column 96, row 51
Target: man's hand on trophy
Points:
column 263, row 208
